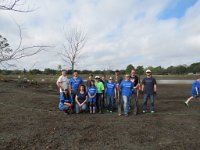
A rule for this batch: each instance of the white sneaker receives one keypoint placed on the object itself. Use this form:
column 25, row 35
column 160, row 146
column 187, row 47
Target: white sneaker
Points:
column 144, row 111
column 152, row 111
column 186, row 104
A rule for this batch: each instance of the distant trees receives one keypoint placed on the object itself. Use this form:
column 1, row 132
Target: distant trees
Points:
column 129, row 68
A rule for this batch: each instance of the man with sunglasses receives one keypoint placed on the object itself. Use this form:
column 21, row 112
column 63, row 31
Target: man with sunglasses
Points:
column 149, row 88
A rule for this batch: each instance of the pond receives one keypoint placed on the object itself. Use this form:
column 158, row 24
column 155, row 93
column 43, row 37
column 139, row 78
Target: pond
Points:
column 175, row 81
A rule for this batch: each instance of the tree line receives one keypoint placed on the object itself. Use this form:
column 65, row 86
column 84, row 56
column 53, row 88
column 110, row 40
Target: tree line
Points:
column 180, row 69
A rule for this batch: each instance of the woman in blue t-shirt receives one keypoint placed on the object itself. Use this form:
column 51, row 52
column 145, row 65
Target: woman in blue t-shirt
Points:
column 92, row 91
column 81, row 99
column 65, row 101
column 195, row 90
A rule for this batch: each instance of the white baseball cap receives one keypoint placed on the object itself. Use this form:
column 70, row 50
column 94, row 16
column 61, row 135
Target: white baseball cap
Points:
column 148, row 71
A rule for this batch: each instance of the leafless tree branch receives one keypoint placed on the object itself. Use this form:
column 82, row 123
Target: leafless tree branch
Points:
column 75, row 42
column 15, row 5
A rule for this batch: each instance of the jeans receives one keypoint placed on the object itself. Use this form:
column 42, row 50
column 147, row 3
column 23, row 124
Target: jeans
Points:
column 74, row 91
column 78, row 109
column 146, row 96
column 126, row 102
column 110, row 102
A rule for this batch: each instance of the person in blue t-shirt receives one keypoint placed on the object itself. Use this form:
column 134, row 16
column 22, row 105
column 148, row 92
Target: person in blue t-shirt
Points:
column 65, row 101
column 195, row 90
column 81, row 99
column 149, row 88
column 110, row 94
column 92, row 91
column 126, row 87
column 75, row 83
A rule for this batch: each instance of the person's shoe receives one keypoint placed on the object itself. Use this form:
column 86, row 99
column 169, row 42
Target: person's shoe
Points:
column 119, row 114
column 110, row 111
column 186, row 104
column 152, row 111
column 144, row 111
column 107, row 110
column 126, row 115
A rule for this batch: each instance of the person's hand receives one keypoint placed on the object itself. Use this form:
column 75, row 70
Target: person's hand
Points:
column 155, row 93
column 70, row 105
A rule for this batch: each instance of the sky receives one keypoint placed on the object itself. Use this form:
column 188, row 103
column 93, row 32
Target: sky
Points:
column 119, row 33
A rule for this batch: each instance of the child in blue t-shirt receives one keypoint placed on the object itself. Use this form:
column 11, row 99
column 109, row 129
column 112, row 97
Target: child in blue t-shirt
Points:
column 92, row 91
column 65, row 101
column 195, row 90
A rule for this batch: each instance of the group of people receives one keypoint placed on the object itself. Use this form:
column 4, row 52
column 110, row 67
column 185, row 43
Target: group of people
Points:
column 99, row 94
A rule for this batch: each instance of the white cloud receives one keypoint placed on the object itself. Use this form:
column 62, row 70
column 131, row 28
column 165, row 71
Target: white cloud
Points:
column 119, row 33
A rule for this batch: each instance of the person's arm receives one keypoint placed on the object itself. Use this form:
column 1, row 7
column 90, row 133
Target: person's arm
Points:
column 155, row 86
column 197, row 90
column 76, row 99
column 59, row 83
column 115, row 92
column 84, row 100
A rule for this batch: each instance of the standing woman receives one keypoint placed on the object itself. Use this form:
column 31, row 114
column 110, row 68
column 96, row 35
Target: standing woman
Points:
column 126, row 87
column 81, row 99
column 100, row 87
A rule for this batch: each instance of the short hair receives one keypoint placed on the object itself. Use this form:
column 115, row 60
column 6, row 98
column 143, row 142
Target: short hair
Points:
column 116, row 70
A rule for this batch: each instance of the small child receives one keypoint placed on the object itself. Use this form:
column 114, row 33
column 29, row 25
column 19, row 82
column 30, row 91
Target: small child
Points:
column 195, row 90
column 65, row 102
column 92, row 91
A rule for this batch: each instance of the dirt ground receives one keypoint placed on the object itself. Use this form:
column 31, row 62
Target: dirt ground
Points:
column 30, row 119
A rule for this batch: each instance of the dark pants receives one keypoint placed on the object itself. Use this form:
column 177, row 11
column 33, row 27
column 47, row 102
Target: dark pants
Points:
column 99, row 102
column 73, row 94
column 135, row 100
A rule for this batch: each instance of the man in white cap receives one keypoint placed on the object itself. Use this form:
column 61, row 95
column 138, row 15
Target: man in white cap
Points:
column 149, row 88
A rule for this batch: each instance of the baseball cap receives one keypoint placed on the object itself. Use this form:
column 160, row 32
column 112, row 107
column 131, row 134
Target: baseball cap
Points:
column 97, row 77
column 148, row 71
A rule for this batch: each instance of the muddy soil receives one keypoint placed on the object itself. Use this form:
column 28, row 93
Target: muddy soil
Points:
column 30, row 119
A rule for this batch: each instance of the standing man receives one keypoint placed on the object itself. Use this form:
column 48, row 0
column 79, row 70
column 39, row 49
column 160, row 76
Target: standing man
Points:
column 74, row 83
column 118, row 79
column 63, row 81
column 126, row 86
column 100, row 87
column 135, row 79
column 149, row 88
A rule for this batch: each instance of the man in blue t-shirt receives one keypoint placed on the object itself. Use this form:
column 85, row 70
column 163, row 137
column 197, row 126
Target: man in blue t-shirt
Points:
column 110, row 94
column 149, row 88
column 74, row 83
column 126, row 87
column 195, row 90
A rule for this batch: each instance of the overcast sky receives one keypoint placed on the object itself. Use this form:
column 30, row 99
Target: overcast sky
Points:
column 120, row 32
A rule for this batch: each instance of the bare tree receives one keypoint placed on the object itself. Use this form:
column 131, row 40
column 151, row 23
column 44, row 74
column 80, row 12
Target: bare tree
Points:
column 75, row 41
column 15, row 5
column 7, row 54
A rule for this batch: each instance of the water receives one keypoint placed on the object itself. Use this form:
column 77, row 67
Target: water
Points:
column 175, row 81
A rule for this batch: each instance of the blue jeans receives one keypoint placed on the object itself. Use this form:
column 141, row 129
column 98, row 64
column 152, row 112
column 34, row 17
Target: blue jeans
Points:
column 83, row 108
column 126, row 102
column 110, row 102
column 146, row 96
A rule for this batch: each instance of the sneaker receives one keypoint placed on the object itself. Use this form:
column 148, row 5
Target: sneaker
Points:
column 119, row 114
column 126, row 115
column 152, row 111
column 186, row 104
column 107, row 110
column 144, row 111
column 110, row 111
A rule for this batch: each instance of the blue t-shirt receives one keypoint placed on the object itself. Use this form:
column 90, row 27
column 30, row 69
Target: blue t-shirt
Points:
column 149, row 85
column 75, row 82
column 64, row 98
column 92, row 90
column 110, row 89
column 195, row 85
column 126, row 87
column 81, row 97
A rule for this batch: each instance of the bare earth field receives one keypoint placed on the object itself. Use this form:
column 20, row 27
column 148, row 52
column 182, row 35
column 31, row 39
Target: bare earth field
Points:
column 30, row 119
